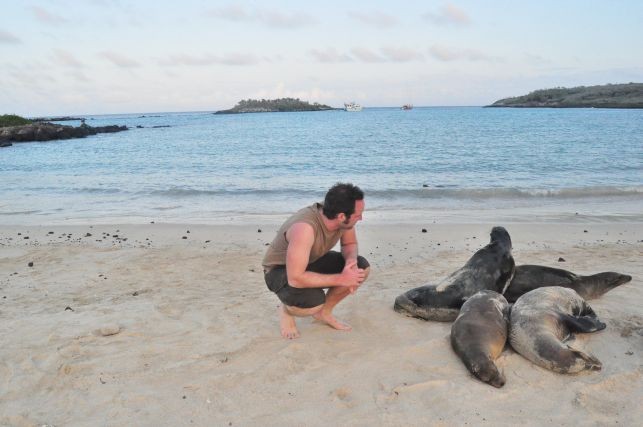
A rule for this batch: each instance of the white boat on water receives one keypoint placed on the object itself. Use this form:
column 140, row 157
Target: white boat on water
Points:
column 352, row 106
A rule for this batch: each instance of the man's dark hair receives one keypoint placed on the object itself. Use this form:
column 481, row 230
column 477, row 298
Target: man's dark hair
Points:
column 341, row 198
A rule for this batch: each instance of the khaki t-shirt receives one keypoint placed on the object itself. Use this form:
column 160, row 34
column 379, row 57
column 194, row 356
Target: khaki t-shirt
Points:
column 324, row 240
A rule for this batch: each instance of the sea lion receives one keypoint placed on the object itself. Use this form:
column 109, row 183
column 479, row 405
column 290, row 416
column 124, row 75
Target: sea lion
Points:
column 489, row 268
column 530, row 277
column 543, row 319
column 479, row 334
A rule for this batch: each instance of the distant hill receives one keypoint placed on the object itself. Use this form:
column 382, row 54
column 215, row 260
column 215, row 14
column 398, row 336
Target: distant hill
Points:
column 628, row 95
column 274, row 106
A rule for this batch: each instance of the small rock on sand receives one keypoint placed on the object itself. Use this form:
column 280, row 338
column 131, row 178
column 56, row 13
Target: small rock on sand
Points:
column 108, row 330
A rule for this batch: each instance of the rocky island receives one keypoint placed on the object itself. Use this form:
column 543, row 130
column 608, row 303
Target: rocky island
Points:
column 628, row 95
column 18, row 129
column 274, row 106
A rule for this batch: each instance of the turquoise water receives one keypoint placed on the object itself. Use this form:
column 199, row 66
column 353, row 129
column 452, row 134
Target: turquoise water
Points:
column 206, row 166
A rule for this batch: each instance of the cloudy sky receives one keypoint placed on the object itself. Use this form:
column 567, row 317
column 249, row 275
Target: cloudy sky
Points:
column 118, row 56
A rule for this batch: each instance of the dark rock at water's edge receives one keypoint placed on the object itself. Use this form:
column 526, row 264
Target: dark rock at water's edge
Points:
column 628, row 95
column 56, row 119
column 43, row 131
column 274, row 106
column 5, row 144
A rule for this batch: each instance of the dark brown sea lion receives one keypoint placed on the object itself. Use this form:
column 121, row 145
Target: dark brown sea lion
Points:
column 491, row 267
column 530, row 277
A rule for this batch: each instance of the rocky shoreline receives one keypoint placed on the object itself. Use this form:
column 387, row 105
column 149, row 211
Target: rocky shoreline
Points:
column 44, row 131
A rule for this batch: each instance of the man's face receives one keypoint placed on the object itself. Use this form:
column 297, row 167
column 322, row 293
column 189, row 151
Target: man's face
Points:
column 355, row 217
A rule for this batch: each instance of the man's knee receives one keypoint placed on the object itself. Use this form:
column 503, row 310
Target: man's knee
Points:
column 362, row 263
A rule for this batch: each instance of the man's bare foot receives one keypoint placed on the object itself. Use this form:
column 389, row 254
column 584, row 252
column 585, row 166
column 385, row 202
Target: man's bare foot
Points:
column 330, row 320
column 288, row 325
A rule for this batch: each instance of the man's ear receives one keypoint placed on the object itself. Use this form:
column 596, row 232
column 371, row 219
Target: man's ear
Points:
column 341, row 217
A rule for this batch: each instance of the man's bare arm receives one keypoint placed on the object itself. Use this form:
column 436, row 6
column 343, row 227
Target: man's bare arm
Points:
column 300, row 238
column 349, row 245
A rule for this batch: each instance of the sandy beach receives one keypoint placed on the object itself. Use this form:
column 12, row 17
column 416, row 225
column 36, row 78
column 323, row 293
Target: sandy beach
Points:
column 168, row 324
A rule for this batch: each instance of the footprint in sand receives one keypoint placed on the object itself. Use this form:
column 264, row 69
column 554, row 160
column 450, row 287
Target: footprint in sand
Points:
column 344, row 396
column 170, row 311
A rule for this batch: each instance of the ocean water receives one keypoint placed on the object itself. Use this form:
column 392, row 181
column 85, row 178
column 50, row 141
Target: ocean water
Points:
column 206, row 168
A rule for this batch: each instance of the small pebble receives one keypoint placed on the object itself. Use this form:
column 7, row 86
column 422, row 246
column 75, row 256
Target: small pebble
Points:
column 184, row 237
column 30, row 264
column 561, row 259
column 424, row 230
column 259, row 230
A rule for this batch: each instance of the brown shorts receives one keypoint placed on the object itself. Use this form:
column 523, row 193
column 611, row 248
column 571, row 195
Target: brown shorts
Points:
column 331, row 263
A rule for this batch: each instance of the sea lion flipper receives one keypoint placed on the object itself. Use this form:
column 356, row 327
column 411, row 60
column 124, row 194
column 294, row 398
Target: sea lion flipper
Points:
column 582, row 323
column 591, row 362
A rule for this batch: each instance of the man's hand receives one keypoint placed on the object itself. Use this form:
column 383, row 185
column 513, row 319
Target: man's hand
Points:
column 352, row 276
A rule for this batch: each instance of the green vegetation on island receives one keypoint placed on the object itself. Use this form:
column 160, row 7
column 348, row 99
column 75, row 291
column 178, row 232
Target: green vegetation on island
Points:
column 13, row 120
column 628, row 95
column 274, row 106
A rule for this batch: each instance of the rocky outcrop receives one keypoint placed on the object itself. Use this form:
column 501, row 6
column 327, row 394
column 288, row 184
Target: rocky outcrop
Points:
column 280, row 105
column 56, row 119
column 50, row 131
column 628, row 95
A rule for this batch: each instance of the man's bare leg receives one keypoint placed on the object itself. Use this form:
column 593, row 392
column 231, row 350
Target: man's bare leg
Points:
column 334, row 297
column 287, row 320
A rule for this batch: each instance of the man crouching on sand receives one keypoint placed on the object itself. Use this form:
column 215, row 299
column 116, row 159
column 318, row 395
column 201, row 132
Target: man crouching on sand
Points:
column 299, row 262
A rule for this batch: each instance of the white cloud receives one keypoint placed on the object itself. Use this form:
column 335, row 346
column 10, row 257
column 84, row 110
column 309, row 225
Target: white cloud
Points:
column 233, row 12
column 449, row 15
column 277, row 19
column 239, row 59
column 366, row 55
column 375, row 19
column 444, row 53
column 6, row 37
column 362, row 54
column 268, row 17
column 119, row 60
column 400, row 54
column 66, row 59
column 47, row 17
column 330, row 55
